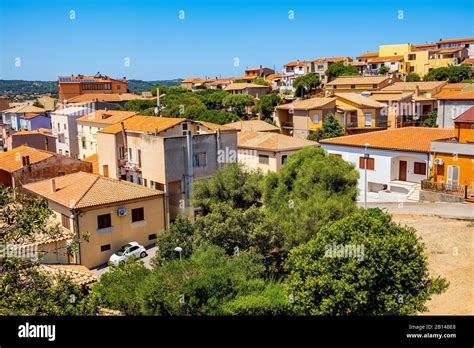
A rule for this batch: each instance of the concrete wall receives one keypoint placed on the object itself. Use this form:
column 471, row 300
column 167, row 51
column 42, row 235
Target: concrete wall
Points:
column 448, row 110
column 38, row 141
column 49, row 168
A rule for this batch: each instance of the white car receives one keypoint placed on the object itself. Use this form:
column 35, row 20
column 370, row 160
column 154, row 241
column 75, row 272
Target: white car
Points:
column 130, row 249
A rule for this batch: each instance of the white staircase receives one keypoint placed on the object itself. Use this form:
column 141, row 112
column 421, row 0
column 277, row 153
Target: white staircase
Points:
column 414, row 194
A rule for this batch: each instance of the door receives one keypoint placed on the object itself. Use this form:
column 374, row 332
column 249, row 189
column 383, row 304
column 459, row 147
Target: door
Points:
column 402, row 171
column 453, row 177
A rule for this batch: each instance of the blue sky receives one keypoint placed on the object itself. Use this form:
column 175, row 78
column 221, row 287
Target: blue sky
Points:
column 160, row 45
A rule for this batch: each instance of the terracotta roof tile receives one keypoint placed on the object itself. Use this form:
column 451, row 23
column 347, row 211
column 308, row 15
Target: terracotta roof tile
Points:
column 11, row 161
column 456, row 40
column 359, row 100
column 82, row 190
column 411, row 86
column 253, row 125
column 79, row 274
column 242, row 85
column 467, row 116
column 358, row 80
column 105, row 97
column 146, row 124
column 271, row 141
column 106, row 117
column 386, row 59
column 25, row 108
column 307, row 104
column 412, row 139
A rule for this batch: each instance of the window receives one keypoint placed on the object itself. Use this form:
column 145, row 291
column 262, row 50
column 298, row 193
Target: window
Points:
column 412, row 57
column 368, row 119
column 65, row 222
column 353, row 86
column 130, row 154
column 152, row 236
column 138, row 214
column 140, row 158
column 104, row 221
column 370, row 163
column 412, row 69
column 284, row 158
column 315, row 118
column 199, row 160
column 185, row 126
column 122, row 152
column 263, row 159
column 420, row 168
column 374, row 86
column 105, row 247
column 84, row 144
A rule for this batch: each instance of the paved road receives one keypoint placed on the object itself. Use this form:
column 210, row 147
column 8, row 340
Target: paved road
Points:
column 151, row 251
column 447, row 210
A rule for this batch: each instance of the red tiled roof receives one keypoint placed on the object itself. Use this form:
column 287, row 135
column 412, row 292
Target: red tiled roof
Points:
column 467, row 116
column 412, row 139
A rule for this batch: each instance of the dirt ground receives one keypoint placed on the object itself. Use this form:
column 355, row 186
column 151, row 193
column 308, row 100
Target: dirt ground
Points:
column 450, row 247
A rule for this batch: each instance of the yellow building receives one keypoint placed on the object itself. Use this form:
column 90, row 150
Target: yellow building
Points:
column 422, row 60
column 111, row 212
column 89, row 125
column 357, row 113
column 453, row 159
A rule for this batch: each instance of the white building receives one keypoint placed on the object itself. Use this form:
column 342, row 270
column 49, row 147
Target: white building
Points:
column 64, row 126
column 399, row 159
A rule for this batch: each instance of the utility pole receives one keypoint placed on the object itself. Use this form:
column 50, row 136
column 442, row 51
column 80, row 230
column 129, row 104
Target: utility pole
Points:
column 366, row 159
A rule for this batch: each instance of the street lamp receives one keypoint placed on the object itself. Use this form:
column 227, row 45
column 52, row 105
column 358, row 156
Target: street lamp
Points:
column 366, row 159
column 179, row 250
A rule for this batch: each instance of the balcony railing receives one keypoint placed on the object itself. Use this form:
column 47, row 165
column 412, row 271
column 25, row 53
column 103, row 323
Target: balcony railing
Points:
column 286, row 124
column 457, row 190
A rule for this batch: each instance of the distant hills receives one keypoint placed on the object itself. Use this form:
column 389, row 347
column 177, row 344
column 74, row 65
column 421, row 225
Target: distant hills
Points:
column 12, row 88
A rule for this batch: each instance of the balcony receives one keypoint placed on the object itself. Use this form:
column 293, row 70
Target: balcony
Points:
column 286, row 124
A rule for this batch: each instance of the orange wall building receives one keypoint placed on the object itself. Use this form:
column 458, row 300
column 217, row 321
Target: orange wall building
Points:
column 72, row 86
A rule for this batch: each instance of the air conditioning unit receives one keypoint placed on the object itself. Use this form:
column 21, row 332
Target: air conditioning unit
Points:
column 122, row 211
column 438, row 161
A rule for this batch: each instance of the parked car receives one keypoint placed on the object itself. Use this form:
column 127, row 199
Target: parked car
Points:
column 128, row 250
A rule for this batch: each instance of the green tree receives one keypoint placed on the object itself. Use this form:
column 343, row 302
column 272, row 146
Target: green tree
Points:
column 140, row 105
column 383, row 70
column 261, row 81
column 266, row 106
column 340, row 69
column 452, row 73
column 212, row 98
column 311, row 190
column 218, row 117
column 180, row 233
column 233, row 184
column 307, row 82
column 185, row 105
column 26, row 290
column 238, row 104
column 432, row 120
column 202, row 284
column 331, row 129
column 363, row 264
column 117, row 289
column 413, row 77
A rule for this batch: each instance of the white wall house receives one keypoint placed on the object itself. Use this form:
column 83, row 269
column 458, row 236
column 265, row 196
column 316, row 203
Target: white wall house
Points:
column 399, row 159
column 64, row 126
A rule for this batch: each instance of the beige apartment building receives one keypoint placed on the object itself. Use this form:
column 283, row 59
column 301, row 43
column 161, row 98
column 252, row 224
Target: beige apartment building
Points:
column 166, row 154
column 268, row 151
column 301, row 117
column 89, row 125
column 358, row 84
column 111, row 212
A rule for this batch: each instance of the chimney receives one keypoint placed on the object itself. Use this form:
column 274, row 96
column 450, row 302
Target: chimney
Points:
column 25, row 160
column 53, row 185
column 417, row 90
